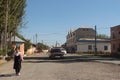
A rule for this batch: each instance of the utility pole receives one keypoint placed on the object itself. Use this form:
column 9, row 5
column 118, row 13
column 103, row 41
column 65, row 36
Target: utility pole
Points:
column 95, row 41
column 36, row 38
column 56, row 44
column 42, row 42
column 33, row 39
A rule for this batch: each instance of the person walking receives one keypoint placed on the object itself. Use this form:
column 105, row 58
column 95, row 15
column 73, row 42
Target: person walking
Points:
column 18, row 58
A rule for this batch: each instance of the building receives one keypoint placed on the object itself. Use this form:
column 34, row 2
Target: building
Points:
column 88, row 45
column 83, row 40
column 74, row 35
column 115, row 39
column 17, row 42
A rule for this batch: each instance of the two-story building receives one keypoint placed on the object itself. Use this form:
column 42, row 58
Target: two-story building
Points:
column 74, row 35
column 83, row 40
column 115, row 39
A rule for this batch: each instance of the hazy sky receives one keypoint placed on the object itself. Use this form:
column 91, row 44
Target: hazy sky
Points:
column 52, row 19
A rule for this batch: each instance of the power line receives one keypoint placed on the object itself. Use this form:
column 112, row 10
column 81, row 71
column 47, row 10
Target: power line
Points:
column 103, row 28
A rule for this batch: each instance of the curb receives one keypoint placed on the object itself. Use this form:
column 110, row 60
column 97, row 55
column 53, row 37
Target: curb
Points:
column 108, row 62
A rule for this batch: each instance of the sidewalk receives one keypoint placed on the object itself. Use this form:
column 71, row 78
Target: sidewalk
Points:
column 109, row 60
column 116, row 62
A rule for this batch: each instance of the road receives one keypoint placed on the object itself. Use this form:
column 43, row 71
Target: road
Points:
column 39, row 67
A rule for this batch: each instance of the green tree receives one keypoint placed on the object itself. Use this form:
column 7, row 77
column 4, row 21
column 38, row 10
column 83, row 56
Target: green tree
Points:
column 27, row 44
column 15, row 10
column 41, row 46
column 103, row 36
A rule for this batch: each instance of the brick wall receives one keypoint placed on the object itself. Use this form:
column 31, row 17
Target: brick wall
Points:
column 115, row 39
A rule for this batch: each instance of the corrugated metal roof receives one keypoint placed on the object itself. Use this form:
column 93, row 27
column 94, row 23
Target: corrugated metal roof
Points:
column 16, row 39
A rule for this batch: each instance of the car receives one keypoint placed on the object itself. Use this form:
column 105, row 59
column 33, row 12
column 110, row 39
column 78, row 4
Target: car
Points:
column 63, row 50
column 56, row 52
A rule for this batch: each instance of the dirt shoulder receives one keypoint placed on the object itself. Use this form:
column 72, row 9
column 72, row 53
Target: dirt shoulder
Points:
column 2, row 62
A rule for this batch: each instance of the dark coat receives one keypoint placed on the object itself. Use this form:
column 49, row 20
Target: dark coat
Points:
column 17, row 62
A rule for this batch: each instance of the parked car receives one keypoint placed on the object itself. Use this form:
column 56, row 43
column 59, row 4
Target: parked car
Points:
column 56, row 52
column 63, row 50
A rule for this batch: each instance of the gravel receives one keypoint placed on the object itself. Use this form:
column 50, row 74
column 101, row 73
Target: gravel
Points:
column 44, row 69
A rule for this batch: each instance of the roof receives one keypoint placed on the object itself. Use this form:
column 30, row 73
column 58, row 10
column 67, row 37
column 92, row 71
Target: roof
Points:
column 115, row 26
column 93, row 40
column 16, row 39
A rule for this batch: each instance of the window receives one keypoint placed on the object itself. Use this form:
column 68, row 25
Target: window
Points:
column 73, row 34
column 119, row 32
column 105, row 47
column 113, row 36
column 118, row 48
column 83, row 29
column 113, row 46
column 89, row 47
column 119, row 45
column 18, row 44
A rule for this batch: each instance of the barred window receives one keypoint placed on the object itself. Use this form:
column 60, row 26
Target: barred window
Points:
column 105, row 47
column 89, row 47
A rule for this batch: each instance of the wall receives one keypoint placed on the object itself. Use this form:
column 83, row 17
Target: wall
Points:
column 83, row 47
column 115, row 39
column 22, row 47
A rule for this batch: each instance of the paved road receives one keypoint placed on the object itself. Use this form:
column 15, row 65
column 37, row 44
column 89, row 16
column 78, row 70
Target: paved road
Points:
column 39, row 67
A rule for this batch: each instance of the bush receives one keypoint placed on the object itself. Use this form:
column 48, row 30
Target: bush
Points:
column 90, row 52
column 3, row 52
column 10, row 52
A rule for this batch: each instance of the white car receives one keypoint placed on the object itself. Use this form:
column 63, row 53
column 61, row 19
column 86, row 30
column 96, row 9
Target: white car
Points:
column 64, row 51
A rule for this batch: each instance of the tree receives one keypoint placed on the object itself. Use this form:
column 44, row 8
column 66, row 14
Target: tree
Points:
column 41, row 46
column 16, row 15
column 11, row 18
column 27, row 44
column 103, row 36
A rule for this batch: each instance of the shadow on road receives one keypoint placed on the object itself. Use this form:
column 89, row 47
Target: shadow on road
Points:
column 66, row 59
column 7, row 75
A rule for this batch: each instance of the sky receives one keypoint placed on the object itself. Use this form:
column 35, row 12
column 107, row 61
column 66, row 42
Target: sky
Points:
column 51, row 20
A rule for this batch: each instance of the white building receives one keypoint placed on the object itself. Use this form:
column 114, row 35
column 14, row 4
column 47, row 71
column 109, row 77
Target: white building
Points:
column 74, row 35
column 88, row 45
